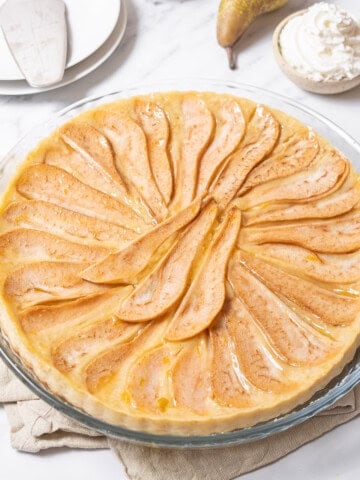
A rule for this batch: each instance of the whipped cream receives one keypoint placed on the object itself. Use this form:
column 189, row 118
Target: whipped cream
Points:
column 323, row 43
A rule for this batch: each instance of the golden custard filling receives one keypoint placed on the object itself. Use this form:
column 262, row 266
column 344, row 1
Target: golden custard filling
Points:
column 182, row 263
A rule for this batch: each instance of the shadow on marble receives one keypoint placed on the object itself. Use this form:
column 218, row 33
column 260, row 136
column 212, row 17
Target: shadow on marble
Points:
column 340, row 100
column 350, row 96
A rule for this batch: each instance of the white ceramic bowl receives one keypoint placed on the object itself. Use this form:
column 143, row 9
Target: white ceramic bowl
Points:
column 325, row 87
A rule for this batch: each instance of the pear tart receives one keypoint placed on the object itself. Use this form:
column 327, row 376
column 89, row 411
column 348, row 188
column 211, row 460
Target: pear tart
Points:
column 184, row 263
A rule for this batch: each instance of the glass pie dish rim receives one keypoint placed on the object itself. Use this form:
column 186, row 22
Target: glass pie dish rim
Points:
column 320, row 401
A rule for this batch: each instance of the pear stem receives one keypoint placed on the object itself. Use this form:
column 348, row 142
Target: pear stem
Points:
column 231, row 57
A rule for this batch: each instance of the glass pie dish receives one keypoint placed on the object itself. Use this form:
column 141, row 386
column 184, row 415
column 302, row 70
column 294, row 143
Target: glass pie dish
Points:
column 323, row 399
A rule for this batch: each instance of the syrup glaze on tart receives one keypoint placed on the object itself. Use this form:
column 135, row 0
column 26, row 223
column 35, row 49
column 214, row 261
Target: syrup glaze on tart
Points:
column 182, row 263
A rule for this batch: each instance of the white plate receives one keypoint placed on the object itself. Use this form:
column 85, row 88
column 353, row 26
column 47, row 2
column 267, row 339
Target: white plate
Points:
column 20, row 87
column 90, row 23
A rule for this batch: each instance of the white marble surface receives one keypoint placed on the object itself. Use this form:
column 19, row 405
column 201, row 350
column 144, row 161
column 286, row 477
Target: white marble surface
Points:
column 172, row 39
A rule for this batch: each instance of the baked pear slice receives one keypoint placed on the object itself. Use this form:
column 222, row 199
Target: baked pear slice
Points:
column 191, row 378
column 197, row 133
column 89, row 341
column 240, row 163
column 295, row 154
column 53, row 185
column 338, row 203
column 90, row 158
column 256, row 358
column 229, row 387
column 323, row 267
column 123, row 266
column 129, row 143
column 319, row 181
column 73, row 163
column 105, row 366
column 94, row 307
column 206, row 295
column 95, row 148
column 159, row 292
column 230, row 129
column 338, row 235
column 154, row 122
column 295, row 341
column 332, row 307
column 24, row 245
column 41, row 282
column 47, row 217
column 148, row 379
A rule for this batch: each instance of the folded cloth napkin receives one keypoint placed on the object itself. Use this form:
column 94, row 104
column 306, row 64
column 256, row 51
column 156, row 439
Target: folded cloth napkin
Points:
column 34, row 426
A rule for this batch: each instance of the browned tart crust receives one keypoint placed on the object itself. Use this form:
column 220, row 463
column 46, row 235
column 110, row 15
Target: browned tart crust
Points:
column 182, row 262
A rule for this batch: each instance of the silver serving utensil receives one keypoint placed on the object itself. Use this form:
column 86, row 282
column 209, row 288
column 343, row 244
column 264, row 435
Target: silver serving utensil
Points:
column 36, row 33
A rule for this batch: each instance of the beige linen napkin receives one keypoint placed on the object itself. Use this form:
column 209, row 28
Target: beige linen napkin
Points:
column 35, row 426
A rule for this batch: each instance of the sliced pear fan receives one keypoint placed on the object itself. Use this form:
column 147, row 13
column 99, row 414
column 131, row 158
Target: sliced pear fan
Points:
column 182, row 263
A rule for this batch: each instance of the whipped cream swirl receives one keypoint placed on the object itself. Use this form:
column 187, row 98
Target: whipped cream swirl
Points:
column 323, row 44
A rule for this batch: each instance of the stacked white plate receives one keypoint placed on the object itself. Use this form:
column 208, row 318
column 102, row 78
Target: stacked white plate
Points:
column 95, row 29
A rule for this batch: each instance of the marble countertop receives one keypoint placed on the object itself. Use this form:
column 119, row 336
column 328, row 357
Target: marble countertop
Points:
column 170, row 39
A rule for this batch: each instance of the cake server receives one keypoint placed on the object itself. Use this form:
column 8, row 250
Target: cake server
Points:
column 36, row 33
